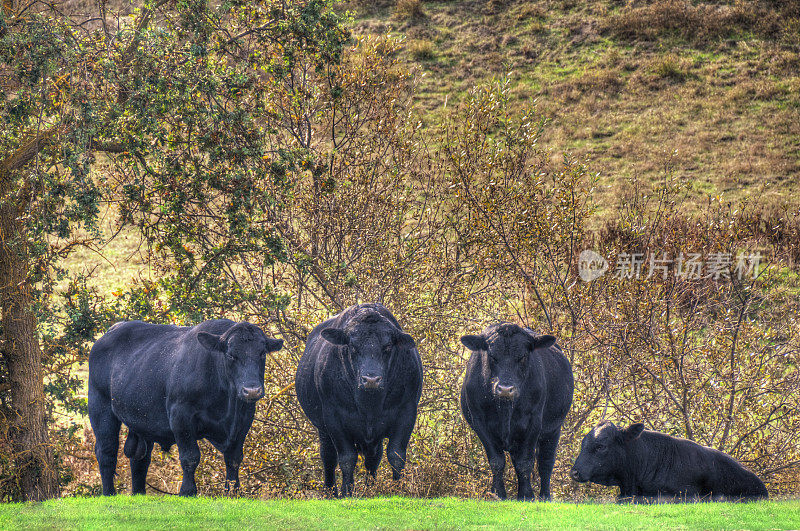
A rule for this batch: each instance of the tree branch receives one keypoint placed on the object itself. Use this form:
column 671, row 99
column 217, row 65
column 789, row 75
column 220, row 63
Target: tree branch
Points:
column 28, row 151
column 108, row 147
column 141, row 24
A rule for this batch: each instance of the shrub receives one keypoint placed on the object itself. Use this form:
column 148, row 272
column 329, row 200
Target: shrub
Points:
column 422, row 50
column 410, row 10
column 670, row 68
column 485, row 227
column 698, row 22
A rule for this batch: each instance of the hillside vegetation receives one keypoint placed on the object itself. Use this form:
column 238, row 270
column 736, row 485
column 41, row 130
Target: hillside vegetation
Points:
column 710, row 88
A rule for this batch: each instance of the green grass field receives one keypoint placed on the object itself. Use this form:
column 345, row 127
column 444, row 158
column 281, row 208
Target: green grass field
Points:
column 154, row 512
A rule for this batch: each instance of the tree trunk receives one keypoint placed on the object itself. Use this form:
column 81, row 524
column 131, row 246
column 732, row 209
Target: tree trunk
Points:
column 34, row 465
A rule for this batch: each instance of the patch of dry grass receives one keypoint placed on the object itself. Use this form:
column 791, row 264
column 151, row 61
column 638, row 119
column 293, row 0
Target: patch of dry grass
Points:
column 409, row 10
column 700, row 22
column 421, row 50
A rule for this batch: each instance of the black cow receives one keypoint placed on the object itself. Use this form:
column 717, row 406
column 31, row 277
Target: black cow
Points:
column 359, row 381
column 516, row 393
column 171, row 384
column 648, row 465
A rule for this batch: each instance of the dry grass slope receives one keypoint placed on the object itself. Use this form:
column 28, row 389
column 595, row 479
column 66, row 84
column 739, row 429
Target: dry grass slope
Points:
column 711, row 87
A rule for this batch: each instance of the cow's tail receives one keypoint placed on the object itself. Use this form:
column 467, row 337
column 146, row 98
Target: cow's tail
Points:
column 135, row 447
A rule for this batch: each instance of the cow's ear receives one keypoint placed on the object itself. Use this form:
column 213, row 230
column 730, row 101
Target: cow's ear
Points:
column 475, row 343
column 274, row 345
column 335, row 336
column 633, row 431
column 212, row 342
column 545, row 341
column 404, row 341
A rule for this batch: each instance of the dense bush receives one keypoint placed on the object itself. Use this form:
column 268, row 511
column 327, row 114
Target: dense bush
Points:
column 482, row 226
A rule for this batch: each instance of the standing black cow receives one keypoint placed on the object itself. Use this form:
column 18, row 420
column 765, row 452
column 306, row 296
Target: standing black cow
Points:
column 516, row 393
column 648, row 465
column 359, row 381
column 172, row 384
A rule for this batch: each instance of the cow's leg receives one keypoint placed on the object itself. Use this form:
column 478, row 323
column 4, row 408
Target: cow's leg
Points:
column 398, row 441
column 497, row 463
column 546, row 460
column 139, row 468
column 189, row 453
column 327, row 451
column 346, row 452
column 233, row 459
column 496, row 457
column 523, row 458
column 347, row 455
column 372, row 458
column 188, row 450
column 105, row 426
column 347, row 463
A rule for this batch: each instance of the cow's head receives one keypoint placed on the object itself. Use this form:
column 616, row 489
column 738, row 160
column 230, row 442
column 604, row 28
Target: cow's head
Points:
column 603, row 450
column 372, row 342
column 244, row 347
column 506, row 350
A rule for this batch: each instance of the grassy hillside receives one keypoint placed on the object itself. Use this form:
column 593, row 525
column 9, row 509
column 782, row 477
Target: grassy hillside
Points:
column 388, row 513
column 710, row 87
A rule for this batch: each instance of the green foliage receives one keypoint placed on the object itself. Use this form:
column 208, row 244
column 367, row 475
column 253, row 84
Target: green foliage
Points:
column 52, row 206
column 215, row 126
column 189, row 114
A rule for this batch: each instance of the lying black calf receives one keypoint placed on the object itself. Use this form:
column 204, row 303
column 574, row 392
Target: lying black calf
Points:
column 648, row 466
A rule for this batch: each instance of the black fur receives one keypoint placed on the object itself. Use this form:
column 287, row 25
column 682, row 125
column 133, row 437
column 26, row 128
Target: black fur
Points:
column 171, row 384
column 359, row 382
column 516, row 394
column 648, row 466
